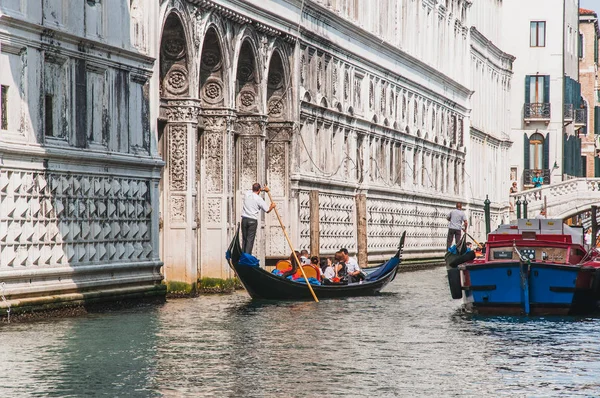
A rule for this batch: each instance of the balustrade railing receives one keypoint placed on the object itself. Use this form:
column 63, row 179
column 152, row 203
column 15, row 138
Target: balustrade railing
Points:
column 537, row 110
column 581, row 116
column 568, row 112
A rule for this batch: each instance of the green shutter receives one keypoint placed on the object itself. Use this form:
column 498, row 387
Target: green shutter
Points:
column 597, row 120
column 526, row 160
column 596, row 50
column 596, row 166
column 527, row 88
column 546, row 89
column 546, row 160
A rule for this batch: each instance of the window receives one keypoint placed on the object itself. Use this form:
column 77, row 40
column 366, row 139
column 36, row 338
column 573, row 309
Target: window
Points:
column 536, row 150
column 580, row 46
column 4, row 107
column 537, row 89
column 538, row 34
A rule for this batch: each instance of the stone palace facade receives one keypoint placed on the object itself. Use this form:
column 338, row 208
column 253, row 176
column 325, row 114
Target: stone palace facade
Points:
column 132, row 131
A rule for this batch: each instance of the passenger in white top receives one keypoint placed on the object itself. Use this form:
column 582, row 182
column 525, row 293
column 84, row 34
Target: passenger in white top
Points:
column 253, row 204
column 329, row 272
column 352, row 268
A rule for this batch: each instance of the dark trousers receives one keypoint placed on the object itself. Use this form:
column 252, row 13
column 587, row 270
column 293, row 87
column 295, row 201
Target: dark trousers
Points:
column 249, row 226
column 453, row 234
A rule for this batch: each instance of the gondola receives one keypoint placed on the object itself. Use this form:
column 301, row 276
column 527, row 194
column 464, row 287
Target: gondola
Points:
column 261, row 284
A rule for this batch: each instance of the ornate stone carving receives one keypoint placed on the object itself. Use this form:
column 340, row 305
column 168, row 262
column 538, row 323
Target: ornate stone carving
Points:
column 302, row 69
column 319, row 74
column 334, row 80
column 213, row 160
column 174, row 48
column 346, row 85
column 247, row 99
column 383, row 99
column 212, row 91
column 213, row 211
column 277, row 166
column 177, row 208
column 57, row 219
column 211, row 59
column 249, row 162
column 357, row 91
column 176, row 81
column 275, row 81
column 371, row 95
column 178, row 157
column 275, row 107
column 246, row 72
column 181, row 111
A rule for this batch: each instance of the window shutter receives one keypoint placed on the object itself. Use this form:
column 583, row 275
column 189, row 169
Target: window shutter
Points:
column 566, row 155
column 527, row 88
column 596, row 166
column 597, row 120
column 546, row 89
column 546, row 159
column 526, row 160
column 596, row 50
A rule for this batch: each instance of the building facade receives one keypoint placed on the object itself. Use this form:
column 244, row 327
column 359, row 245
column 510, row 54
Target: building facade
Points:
column 357, row 114
column 491, row 80
column 590, row 89
column 79, row 171
column 546, row 114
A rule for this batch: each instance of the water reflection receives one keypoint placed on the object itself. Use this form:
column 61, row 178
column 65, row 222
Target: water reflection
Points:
column 411, row 341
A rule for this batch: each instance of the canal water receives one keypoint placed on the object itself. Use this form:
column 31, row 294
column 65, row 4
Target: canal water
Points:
column 411, row 341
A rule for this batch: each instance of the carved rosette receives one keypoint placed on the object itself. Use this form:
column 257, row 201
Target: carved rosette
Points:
column 212, row 91
column 176, row 82
column 211, row 60
column 174, row 48
column 275, row 81
column 178, row 158
column 247, row 100
column 276, row 107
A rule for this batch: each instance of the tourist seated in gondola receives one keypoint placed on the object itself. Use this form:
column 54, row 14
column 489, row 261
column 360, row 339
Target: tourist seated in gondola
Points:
column 295, row 266
column 339, row 265
column 354, row 272
column 304, row 257
column 329, row 272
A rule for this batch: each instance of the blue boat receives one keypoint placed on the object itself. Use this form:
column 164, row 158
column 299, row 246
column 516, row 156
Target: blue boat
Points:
column 535, row 267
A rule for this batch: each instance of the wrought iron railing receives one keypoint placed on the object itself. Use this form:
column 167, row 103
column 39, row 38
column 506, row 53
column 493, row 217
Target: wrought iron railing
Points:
column 581, row 116
column 537, row 110
column 528, row 175
column 568, row 112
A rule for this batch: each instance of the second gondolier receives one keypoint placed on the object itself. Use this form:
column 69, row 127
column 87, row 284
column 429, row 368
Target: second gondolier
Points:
column 252, row 206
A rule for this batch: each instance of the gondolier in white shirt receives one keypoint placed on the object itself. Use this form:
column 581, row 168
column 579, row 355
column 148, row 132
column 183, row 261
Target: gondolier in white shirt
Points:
column 352, row 268
column 457, row 223
column 252, row 206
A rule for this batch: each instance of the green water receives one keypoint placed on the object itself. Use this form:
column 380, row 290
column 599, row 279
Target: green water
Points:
column 410, row 341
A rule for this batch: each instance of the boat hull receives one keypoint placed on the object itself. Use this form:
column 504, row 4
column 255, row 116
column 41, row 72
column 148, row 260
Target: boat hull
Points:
column 514, row 288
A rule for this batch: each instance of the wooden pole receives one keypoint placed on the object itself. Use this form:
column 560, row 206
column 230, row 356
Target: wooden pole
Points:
column 293, row 251
column 315, row 246
column 361, row 229
column 594, row 225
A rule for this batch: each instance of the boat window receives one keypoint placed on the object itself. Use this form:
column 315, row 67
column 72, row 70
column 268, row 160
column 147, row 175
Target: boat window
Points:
column 553, row 254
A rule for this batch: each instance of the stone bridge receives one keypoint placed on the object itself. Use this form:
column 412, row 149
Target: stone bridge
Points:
column 563, row 199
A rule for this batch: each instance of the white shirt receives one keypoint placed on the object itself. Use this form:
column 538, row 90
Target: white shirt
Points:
column 456, row 218
column 352, row 265
column 252, row 205
column 304, row 260
column 329, row 272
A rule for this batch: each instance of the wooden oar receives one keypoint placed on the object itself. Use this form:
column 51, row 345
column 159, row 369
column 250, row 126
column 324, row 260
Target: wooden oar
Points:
column 292, row 248
column 477, row 243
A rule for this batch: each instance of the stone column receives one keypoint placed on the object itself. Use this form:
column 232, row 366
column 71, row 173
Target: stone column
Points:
column 278, row 160
column 361, row 229
column 215, row 192
column 180, row 254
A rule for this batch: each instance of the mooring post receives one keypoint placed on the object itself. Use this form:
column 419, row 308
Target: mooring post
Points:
column 518, row 204
column 315, row 247
column 361, row 229
column 486, row 211
column 594, row 226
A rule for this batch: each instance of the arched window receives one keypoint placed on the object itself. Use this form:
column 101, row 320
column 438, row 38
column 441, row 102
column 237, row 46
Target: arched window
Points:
column 536, row 150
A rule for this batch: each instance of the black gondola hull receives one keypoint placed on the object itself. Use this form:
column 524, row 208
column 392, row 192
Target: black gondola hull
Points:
column 261, row 284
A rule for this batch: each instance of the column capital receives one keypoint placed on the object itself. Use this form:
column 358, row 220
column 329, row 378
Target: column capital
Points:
column 181, row 111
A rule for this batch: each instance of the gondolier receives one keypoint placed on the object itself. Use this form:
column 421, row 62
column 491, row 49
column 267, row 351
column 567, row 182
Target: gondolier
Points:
column 457, row 218
column 252, row 206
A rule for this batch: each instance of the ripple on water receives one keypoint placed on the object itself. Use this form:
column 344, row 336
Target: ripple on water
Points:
column 412, row 340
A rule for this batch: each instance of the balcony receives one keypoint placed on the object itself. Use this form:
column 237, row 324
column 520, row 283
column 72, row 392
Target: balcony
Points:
column 537, row 112
column 528, row 174
column 568, row 113
column 580, row 117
